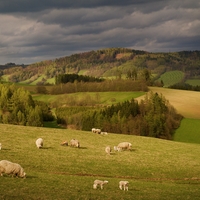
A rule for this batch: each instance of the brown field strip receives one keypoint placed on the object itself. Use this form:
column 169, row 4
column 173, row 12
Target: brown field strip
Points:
column 187, row 103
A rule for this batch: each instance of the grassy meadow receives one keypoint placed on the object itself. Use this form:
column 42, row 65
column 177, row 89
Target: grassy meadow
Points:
column 156, row 169
column 100, row 98
column 188, row 131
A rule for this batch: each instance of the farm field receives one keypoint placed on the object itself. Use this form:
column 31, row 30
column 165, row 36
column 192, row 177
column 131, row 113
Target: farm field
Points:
column 155, row 168
column 193, row 82
column 105, row 98
column 171, row 77
column 186, row 103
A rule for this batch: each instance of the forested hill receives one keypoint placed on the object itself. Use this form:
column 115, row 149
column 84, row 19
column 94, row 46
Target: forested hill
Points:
column 120, row 63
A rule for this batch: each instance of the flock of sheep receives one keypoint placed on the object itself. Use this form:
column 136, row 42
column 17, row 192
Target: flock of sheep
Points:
column 15, row 169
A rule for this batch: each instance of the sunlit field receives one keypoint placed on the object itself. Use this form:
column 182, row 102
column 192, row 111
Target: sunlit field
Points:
column 156, row 169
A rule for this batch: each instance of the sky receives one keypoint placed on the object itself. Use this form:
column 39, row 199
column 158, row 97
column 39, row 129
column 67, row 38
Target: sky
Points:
column 36, row 30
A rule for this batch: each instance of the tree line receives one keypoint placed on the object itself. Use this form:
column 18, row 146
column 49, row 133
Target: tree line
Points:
column 66, row 78
column 104, row 86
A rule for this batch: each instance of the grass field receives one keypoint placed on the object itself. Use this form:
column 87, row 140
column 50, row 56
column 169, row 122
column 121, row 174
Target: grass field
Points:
column 193, row 82
column 156, row 169
column 171, row 77
column 188, row 131
column 105, row 98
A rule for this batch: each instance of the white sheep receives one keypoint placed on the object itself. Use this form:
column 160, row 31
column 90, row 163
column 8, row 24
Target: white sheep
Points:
column 96, row 130
column 115, row 148
column 64, row 143
column 123, row 185
column 108, row 150
column 74, row 143
column 8, row 167
column 104, row 133
column 39, row 143
column 124, row 145
column 100, row 183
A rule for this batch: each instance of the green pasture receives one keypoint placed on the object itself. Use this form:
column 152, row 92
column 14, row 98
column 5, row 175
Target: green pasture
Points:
column 171, row 77
column 156, row 169
column 188, row 131
column 193, row 82
column 105, row 98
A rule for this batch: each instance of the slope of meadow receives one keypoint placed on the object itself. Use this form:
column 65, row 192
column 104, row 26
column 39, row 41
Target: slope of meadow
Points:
column 155, row 168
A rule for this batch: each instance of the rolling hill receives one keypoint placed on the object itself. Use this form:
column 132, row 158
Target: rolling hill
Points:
column 112, row 63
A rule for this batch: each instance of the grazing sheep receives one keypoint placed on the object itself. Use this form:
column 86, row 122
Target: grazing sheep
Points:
column 8, row 167
column 65, row 143
column 100, row 183
column 39, row 143
column 96, row 130
column 108, row 150
column 123, row 185
column 124, row 145
column 74, row 143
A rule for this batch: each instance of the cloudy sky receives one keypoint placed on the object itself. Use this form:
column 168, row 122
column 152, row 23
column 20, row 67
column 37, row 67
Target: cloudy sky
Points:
column 36, row 30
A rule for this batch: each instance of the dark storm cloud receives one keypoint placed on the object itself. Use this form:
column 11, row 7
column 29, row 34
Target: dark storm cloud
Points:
column 33, row 30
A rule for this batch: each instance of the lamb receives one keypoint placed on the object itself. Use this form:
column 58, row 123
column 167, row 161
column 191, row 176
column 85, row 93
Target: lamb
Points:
column 108, row 150
column 124, row 145
column 15, row 169
column 39, row 143
column 74, row 143
column 64, row 143
column 100, row 183
column 123, row 185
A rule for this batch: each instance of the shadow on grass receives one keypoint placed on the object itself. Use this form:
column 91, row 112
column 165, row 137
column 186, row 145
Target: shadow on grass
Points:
column 52, row 124
column 46, row 148
column 4, row 149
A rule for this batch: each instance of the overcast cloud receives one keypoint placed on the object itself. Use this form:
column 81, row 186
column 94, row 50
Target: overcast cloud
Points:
column 36, row 30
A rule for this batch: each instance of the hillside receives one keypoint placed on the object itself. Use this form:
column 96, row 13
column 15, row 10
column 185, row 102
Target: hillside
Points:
column 156, row 169
column 112, row 63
